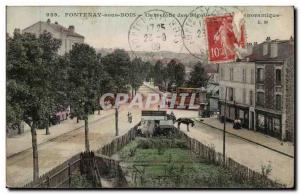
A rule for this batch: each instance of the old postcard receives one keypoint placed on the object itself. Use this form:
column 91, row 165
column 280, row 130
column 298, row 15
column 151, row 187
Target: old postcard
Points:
column 150, row 97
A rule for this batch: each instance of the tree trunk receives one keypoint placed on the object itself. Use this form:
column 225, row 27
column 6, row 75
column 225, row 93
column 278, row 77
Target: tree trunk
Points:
column 47, row 127
column 34, row 153
column 86, row 133
column 116, row 120
column 77, row 120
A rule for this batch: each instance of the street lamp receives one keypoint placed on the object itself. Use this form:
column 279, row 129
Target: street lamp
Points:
column 224, row 128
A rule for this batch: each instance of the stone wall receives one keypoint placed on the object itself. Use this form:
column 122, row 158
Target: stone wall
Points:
column 290, row 98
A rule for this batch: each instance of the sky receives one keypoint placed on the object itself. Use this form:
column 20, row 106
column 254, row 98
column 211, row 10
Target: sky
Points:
column 112, row 31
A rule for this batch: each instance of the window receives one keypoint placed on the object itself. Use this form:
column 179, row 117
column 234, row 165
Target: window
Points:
column 260, row 98
column 260, row 74
column 252, row 76
column 276, row 124
column 244, row 75
column 251, row 98
column 230, row 94
column 261, row 121
column 244, row 95
column 278, row 76
column 278, row 102
column 222, row 74
column 231, row 74
column 221, row 93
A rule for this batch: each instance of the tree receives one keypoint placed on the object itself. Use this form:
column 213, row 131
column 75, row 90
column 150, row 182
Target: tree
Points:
column 83, row 82
column 137, row 74
column 117, row 64
column 158, row 71
column 54, row 93
column 198, row 76
column 28, row 71
column 176, row 73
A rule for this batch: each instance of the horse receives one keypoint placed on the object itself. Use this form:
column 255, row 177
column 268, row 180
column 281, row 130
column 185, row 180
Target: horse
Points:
column 186, row 121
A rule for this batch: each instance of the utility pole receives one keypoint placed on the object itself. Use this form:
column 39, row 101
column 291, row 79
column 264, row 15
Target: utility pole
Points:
column 116, row 120
column 224, row 129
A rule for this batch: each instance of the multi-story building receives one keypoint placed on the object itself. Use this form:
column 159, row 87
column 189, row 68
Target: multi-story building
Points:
column 239, row 79
column 68, row 36
column 274, row 87
column 213, row 92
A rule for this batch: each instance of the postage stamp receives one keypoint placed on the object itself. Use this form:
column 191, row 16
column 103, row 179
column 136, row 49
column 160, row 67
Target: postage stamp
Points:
column 224, row 38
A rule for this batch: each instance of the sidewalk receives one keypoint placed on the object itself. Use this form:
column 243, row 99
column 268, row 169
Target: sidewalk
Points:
column 272, row 143
column 19, row 143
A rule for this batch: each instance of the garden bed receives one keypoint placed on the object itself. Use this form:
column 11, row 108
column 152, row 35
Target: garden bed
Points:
column 163, row 162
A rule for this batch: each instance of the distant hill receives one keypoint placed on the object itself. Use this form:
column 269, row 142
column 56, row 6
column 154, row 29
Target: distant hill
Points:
column 185, row 58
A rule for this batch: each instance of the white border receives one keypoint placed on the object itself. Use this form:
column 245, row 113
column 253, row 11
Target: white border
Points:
column 5, row 3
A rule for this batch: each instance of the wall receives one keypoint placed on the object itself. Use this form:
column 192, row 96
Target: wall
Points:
column 240, row 86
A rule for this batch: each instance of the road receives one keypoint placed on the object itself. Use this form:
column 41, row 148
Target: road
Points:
column 54, row 151
column 245, row 152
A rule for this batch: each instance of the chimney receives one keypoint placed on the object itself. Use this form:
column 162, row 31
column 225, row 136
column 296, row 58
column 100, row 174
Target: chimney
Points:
column 72, row 28
column 48, row 21
column 249, row 48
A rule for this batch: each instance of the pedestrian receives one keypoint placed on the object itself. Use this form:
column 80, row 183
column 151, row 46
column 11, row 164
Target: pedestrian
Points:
column 130, row 118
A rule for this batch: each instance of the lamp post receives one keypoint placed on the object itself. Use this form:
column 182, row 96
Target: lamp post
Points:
column 224, row 128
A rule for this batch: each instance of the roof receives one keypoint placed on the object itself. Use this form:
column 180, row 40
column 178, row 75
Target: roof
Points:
column 59, row 28
column 210, row 68
column 285, row 50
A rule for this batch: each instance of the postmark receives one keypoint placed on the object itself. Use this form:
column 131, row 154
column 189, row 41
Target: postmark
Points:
column 155, row 31
column 224, row 37
column 194, row 29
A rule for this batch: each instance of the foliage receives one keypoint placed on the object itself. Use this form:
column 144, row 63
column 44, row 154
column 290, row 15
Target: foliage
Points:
column 198, row 76
column 138, row 72
column 30, row 66
column 84, row 79
column 117, row 65
column 30, row 62
column 167, row 75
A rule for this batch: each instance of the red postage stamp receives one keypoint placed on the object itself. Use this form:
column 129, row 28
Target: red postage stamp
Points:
column 224, row 37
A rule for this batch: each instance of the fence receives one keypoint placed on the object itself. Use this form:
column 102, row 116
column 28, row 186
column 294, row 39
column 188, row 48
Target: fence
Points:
column 60, row 176
column 239, row 171
column 118, row 143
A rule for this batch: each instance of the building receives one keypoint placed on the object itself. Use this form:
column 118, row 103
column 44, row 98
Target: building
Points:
column 213, row 91
column 239, row 79
column 68, row 36
column 274, row 88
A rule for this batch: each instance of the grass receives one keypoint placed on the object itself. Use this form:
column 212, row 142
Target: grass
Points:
column 162, row 162
column 167, row 163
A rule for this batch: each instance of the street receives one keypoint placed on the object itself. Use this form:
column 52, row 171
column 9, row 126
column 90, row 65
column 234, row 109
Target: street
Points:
column 246, row 153
column 56, row 150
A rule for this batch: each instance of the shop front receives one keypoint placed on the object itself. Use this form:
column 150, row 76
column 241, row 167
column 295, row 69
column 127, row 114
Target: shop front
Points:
column 268, row 123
